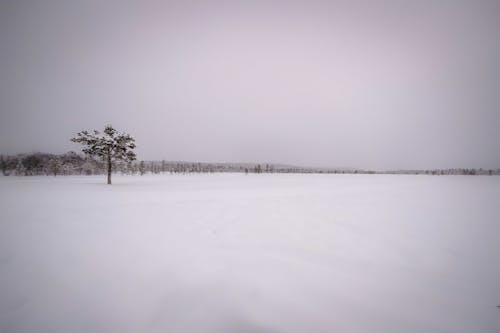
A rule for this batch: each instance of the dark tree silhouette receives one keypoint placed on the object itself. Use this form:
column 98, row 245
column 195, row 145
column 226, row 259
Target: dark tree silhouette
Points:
column 110, row 146
column 142, row 168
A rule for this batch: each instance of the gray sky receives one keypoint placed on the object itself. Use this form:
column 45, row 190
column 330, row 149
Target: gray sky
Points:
column 370, row 84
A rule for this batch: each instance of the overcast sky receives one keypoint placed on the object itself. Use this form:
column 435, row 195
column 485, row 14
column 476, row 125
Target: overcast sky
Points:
column 369, row 84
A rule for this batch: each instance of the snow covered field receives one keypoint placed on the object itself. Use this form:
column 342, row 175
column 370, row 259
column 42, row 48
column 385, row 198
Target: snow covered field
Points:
column 257, row 253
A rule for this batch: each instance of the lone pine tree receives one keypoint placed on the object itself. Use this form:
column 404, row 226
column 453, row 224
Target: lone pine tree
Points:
column 110, row 146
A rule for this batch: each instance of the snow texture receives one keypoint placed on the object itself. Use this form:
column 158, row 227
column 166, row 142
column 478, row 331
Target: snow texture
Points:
column 256, row 253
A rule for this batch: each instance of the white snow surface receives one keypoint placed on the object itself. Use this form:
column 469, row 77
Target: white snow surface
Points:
column 250, row 253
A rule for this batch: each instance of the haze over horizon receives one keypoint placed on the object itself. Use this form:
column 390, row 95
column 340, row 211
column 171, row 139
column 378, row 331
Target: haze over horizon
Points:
column 363, row 84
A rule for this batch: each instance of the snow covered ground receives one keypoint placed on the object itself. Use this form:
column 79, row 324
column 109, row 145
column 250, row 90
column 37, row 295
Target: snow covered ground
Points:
column 257, row 253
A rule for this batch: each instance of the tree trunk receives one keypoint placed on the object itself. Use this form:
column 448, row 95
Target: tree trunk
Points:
column 109, row 168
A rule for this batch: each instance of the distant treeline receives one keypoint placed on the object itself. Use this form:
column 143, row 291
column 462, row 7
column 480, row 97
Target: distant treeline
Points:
column 71, row 163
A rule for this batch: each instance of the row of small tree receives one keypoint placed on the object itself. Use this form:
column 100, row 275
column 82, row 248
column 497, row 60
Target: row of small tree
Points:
column 71, row 163
column 110, row 151
column 36, row 164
